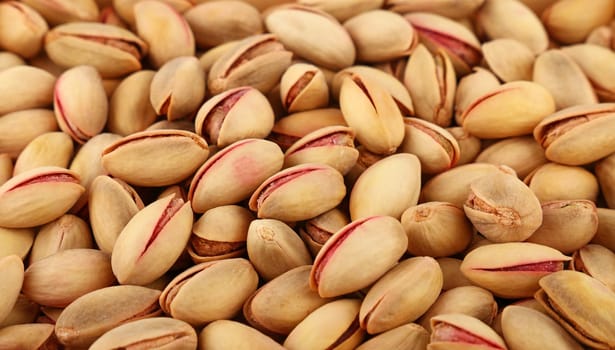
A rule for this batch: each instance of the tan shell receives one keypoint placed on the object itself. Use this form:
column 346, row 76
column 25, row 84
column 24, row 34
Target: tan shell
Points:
column 291, row 128
column 409, row 336
column 459, row 331
column 28, row 336
column 509, row 59
column 48, row 149
column 551, row 181
column 21, row 29
column 603, row 170
column 16, row 241
column 435, row 147
column 564, row 24
column 25, row 87
column 224, row 334
column 303, row 87
column 130, row 110
column 66, row 232
column 522, row 153
column 12, row 269
column 596, row 261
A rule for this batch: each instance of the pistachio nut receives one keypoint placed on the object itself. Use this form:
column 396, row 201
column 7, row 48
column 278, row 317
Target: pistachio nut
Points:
column 125, row 8
column 564, row 24
column 209, row 291
column 522, row 153
column 25, row 87
column 312, row 34
column 402, row 295
column 596, row 261
column 600, row 36
column 511, row 109
column 257, row 61
column 372, row 112
column 6, row 167
column 38, row 196
column 471, row 87
column 503, row 208
column 150, row 333
column 343, row 9
column 93, row 314
column 130, row 110
column 436, row 229
column 303, row 87
column 298, row 193
column 222, row 118
column 274, row 248
column 509, row 59
column 567, row 225
column 152, row 241
column 62, row 11
column 604, row 172
column 605, row 236
column 551, row 181
column 225, row 334
column 209, row 57
column 511, row 270
column 28, row 336
column 449, row 8
column 12, row 269
column 291, row 128
column 451, row 273
column 48, row 149
column 220, row 233
column 21, row 29
column 66, row 232
column 596, row 62
column 564, row 134
column 357, row 255
column 144, row 158
column 16, row 241
column 233, row 173
column 24, row 311
column 435, row 147
column 469, row 145
column 468, row 300
column 80, row 103
column 458, row 42
column 456, row 330
column 118, row 51
column 521, row 324
column 431, row 81
column 59, row 279
column 316, row 231
column 408, row 336
column 334, row 325
column 166, row 31
column 578, row 303
column 9, row 59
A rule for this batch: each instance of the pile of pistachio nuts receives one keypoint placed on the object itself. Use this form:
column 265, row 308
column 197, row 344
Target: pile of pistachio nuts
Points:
column 310, row 174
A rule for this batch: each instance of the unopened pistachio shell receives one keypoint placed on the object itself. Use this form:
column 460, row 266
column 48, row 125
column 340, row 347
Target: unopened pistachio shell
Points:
column 596, row 261
column 18, row 129
column 48, row 149
column 225, row 334
column 66, row 232
column 21, row 29
column 410, row 336
column 564, row 24
column 551, row 181
column 28, row 336
column 12, row 269
column 16, row 241
column 25, row 87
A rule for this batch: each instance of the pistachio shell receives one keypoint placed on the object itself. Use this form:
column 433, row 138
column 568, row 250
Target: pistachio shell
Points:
column 48, row 149
column 21, row 29
column 291, row 128
column 12, row 270
column 509, row 59
column 65, row 11
column 596, row 261
column 449, row 8
column 451, row 272
column 522, row 153
column 551, row 181
column 28, row 336
column 16, row 241
column 223, row 334
column 66, row 232
column 303, row 87
column 25, row 87
column 409, row 336
column 130, row 110
column 435, row 147
column 459, row 331
column 564, row 24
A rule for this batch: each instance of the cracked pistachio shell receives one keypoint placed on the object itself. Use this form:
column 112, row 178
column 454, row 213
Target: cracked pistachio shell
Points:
column 334, row 325
column 564, row 79
column 145, row 158
column 326, row 43
column 111, row 204
column 59, row 279
column 450, row 8
column 25, row 87
column 220, row 233
column 66, row 232
column 299, row 193
column 605, row 236
column 165, row 30
column 343, row 9
column 597, row 64
column 431, row 81
column 38, row 196
column 459, row 331
column 435, row 147
column 453, row 277
column 48, row 149
column 471, row 87
column 80, row 103
column 28, row 336
column 227, row 21
column 596, row 261
column 509, row 59
column 388, row 187
column 257, row 61
column 511, row 109
column 62, row 11
column 282, row 303
column 604, row 171
column 333, row 145
column 16, row 241
column 495, row 20
column 380, row 35
column 468, row 300
column 178, row 88
column 357, row 255
column 511, row 270
column 232, row 174
column 406, row 337
column 274, row 248
column 226, row 334
column 551, row 181
column 234, row 115
column 152, row 241
column 503, row 208
column 578, row 135
column 579, row 303
column 93, row 314
column 402, row 295
column 12, row 270
column 118, row 51
column 565, row 24
column 303, row 87
column 522, row 153
column 291, row 128
column 150, row 333
column 130, row 110
column 567, row 225
column 371, row 111
column 525, row 328
column 441, row 33
column 22, row 29
column 316, row 231
column 436, row 229
column 209, row 291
